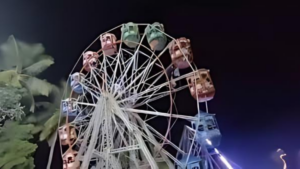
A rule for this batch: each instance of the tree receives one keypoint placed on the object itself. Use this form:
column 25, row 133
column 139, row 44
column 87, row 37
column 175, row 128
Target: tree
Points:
column 16, row 151
column 10, row 107
column 20, row 62
column 49, row 131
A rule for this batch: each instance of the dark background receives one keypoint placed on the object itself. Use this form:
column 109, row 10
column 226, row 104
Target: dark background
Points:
column 252, row 51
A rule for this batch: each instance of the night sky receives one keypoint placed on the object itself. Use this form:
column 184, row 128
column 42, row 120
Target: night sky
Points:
column 252, row 51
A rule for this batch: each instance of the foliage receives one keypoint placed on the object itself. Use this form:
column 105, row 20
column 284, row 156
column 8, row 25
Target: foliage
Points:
column 15, row 150
column 44, row 110
column 10, row 107
column 20, row 62
column 26, row 57
column 51, row 125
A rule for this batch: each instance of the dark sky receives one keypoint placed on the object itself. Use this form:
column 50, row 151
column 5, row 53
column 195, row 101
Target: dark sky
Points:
column 252, row 51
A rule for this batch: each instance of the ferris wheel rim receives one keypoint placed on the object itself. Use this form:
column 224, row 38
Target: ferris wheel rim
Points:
column 164, row 72
column 145, row 47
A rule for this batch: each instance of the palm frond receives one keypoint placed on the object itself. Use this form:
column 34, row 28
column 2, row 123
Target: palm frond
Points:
column 13, row 130
column 50, row 126
column 10, row 57
column 30, row 53
column 17, row 154
column 10, row 77
column 38, row 67
column 44, row 110
column 28, row 99
column 16, row 53
column 37, row 86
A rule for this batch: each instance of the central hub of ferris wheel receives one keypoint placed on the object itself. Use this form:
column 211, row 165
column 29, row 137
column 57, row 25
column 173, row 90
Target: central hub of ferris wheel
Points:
column 128, row 78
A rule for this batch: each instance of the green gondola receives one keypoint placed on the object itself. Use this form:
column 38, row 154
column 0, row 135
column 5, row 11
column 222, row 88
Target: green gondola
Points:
column 155, row 36
column 130, row 34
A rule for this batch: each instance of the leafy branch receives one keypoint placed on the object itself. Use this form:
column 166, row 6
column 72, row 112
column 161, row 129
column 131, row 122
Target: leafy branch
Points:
column 20, row 62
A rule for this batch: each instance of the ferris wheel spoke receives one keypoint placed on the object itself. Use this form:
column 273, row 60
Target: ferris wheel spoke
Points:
column 101, row 67
column 153, row 89
column 121, row 68
column 134, row 55
column 190, row 118
column 97, row 82
column 139, row 137
column 109, row 65
column 134, row 86
column 142, row 73
column 126, row 61
column 92, row 90
column 163, row 151
column 142, row 67
column 151, row 107
column 114, row 59
column 134, row 67
column 166, row 84
column 152, row 85
column 163, row 137
column 93, row 93
column 117, row 64
column 133, row 82
column 143, row 81
column 149, row 137
column 112, row 63
column 125, row 149
column 124, row 73
column 160, row 75
column 150, row 65
column 86, row 104
column 153, row 140
column 134, row 76
column 105, row 74
column 118, row 127
column 150, row 98
column 147, row 115
column 87, row 83
column 137, row 65
column 138, row 97
column 79, row 116
column 145, row 75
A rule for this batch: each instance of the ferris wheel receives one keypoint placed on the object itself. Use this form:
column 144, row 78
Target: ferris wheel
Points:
column 125, row 79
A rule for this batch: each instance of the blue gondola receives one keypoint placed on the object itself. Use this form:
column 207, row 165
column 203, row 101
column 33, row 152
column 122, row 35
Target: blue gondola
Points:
column 208, row 129
column 68, row 108
column 75, row 81
column 193, row 162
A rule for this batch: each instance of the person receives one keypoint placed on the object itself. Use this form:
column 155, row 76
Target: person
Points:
column 172, row 73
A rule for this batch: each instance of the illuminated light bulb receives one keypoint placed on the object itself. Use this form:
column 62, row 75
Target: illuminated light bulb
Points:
column 208, row 142
column 217, row 151
column 225, row 162
column 284, row 163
